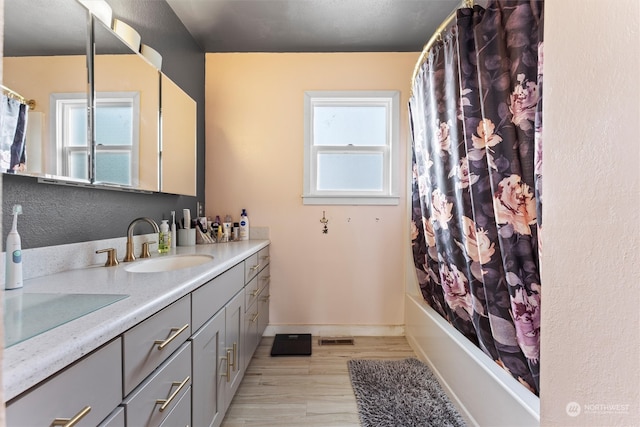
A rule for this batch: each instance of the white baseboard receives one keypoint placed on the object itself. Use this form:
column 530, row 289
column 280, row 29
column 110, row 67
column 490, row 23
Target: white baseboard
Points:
column 337, row 330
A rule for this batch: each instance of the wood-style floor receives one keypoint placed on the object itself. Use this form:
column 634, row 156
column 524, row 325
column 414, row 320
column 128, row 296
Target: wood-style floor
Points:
column 306, row 391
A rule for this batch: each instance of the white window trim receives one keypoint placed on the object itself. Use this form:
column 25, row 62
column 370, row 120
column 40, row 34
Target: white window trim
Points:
column 391, row 152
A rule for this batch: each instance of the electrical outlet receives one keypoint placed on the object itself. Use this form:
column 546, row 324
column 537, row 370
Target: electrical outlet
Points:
column 200, row 209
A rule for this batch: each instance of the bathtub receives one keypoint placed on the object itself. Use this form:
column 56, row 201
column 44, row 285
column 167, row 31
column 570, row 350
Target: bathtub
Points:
column 486, row 395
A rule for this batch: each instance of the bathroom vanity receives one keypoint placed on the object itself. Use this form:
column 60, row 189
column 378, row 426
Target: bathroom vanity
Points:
column 168, row 348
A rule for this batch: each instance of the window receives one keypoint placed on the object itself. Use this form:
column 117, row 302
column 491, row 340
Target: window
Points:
column 116, row 134
column 351, row 148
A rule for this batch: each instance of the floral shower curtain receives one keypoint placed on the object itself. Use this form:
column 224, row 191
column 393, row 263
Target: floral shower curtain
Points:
column 475, row 110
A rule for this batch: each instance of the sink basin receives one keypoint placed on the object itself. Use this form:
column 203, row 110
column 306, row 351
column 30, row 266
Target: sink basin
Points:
column 167, row 263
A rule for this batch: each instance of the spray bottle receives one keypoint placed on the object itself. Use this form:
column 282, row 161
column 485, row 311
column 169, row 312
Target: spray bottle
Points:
column 13, row 278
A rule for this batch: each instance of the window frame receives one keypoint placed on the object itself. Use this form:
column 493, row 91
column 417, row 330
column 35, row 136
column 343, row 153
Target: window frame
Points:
column 60, row 104
column 390, row 151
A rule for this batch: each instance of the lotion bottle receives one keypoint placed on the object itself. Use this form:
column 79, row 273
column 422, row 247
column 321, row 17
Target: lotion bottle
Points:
column 13, row 278
column 244, row 225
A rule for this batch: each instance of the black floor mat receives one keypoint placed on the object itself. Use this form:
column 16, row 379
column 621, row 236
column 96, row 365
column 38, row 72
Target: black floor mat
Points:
column 291, row 345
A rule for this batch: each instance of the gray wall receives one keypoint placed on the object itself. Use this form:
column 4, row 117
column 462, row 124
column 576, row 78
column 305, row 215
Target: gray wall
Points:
column 53, row 214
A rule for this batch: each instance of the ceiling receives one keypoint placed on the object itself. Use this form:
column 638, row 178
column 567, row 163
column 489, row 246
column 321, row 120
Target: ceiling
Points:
column 312, row 25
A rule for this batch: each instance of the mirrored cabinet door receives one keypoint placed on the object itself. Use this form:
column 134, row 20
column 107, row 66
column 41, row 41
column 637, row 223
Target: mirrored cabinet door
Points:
column 178, row 155
column 127, row 99
column 44, row 60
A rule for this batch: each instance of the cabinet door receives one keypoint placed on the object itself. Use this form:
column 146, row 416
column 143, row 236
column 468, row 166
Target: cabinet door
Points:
column 250, row 335
column 234, row 328
column 209, row 363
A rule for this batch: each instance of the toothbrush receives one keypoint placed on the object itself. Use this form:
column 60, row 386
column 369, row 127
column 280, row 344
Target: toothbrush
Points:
column 173, row 229
column 13, row 268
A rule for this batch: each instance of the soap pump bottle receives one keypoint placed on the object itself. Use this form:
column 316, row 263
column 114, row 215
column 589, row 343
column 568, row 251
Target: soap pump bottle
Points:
column 244, row 225
column 164, row 238
column 13, row 278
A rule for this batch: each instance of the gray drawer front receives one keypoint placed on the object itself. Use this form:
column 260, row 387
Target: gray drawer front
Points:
column 116, row 419
column 141, row 406
column 181, row 414
column 264, row 277
column 209, row 298
column 94, row 381
column 251, row 267
column 141, row 353
column 263, row 257
column 251, row 293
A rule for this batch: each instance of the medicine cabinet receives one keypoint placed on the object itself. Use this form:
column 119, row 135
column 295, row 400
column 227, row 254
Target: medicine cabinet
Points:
column 47, row 62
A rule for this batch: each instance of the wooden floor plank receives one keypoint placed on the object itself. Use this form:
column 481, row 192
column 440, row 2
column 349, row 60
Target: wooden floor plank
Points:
column 306, row 390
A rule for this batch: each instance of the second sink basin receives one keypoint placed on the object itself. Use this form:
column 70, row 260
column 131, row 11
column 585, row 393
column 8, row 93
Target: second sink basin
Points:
column 167, row 263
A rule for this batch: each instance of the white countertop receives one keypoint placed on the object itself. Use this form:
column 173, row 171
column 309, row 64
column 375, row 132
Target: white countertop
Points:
column 27, row 363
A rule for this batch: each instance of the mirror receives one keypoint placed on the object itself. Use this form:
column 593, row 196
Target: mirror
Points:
column 41, row 58
column 178, row 144
column 127, row 99
column 46, row 61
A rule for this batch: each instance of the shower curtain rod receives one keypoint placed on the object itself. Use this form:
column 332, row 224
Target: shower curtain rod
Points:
column 15, row 95
column 436, row 35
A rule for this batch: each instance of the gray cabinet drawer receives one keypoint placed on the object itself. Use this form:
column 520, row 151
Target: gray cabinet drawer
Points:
column 181, row 414
column 263, row 257
column 213, row 295
column 251, row 267
column 168, row 383
column 251, row 292
column 94, row 382
column 115, row 419
column 263, row 278
column 142, row 352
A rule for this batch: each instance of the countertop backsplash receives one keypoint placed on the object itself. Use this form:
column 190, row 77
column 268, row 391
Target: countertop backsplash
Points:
column 38, row 262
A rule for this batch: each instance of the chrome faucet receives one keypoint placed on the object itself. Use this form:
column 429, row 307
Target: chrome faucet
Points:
column 129, row 256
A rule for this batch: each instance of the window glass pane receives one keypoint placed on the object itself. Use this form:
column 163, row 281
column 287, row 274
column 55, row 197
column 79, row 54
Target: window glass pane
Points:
column 113, row 167
column 350, row 172
column 78, row 165
column 77, row 125
column 350, row 125
column 114, row 125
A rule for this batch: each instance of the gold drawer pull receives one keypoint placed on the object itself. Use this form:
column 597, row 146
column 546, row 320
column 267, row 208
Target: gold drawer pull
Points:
column 177, row 331
column 167, row 402
column 255, row 267
column 255, row 317
column 228, row 360
column 265, row 298
column 254, row 292
column 70, row 422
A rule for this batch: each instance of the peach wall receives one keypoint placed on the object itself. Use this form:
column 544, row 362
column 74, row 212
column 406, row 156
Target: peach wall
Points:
column 590, row 340
column 354, row 275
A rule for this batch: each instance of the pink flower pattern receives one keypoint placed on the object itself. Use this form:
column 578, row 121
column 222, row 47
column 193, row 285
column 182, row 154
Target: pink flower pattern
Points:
column 477, row 189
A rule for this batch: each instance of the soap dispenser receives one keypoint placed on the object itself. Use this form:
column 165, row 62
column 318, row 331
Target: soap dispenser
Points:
column 164, row 239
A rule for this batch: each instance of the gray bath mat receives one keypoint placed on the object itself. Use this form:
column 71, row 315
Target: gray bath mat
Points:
column 400, row 393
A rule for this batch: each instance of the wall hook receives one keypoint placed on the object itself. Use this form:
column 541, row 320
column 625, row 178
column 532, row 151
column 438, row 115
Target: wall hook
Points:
column 324, row 221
